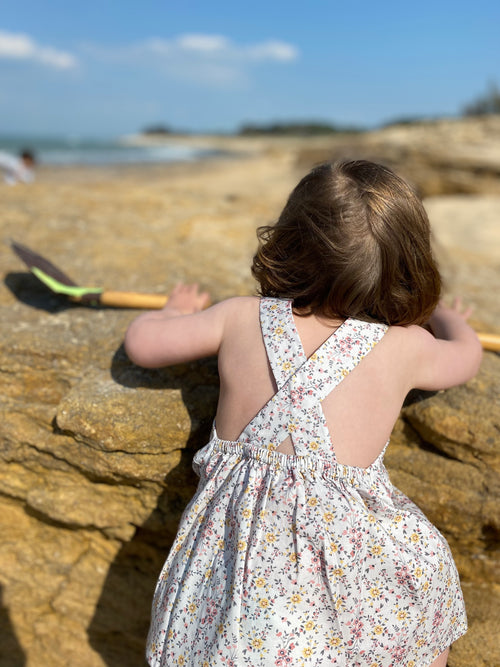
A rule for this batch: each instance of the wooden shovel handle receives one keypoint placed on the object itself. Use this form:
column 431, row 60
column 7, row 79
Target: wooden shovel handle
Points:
column 132, row 300
column 489, row 341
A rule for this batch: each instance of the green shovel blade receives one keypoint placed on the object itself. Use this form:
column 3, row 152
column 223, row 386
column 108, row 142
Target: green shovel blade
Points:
column 73, row 291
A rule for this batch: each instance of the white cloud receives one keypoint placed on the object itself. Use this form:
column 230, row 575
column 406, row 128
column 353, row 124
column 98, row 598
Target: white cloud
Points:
column 202, row 58
column 18, row 46
column 274, row 50
column 203, row 43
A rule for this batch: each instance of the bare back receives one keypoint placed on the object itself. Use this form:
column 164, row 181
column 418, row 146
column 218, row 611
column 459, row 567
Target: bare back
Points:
column 360, row 411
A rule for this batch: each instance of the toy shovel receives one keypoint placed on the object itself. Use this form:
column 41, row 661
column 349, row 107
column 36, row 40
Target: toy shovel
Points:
column 60, row 283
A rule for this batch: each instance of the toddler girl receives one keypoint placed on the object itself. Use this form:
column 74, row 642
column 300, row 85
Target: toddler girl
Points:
column 296, row 549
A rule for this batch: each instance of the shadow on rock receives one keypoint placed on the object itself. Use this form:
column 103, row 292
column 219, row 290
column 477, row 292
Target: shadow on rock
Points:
column 11, row 653
column 119, row 627
column 30, row 291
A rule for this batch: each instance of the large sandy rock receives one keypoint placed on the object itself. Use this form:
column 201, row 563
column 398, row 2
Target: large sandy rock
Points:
column 439, row 158
column 95, row 453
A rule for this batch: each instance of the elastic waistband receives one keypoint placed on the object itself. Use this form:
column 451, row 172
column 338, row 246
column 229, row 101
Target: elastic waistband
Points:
column 374, row 473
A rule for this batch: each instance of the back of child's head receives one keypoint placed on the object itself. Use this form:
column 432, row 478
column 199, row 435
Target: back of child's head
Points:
column 352, row 241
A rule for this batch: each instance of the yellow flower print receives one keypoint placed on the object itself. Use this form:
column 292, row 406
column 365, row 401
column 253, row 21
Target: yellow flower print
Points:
column 398, row 518
column 286, row 366
column 259, row 582
column 420, row 643
column 334, row 641
column 338, row 604
column 313, row 445
column 247, row 513
column 309, row 625
column 312, row 502
column 374, row 592
column 378, row 629
column 296, row 598
column 180, row 660
column 257, row 643
column 425, row 587
column 371, row 518
column 242, row 545
column 412, row 663
column 338, row 572
column 263, row 603
column 293, row 557
column 192, row 608
column 278, row 331
column 401, row 615
column 328, row 517
column 418, row 572
column 334, row 548
column 376, row 550
column 414, row 537
column 270, row 538
column 307, row 652
column 220, row 544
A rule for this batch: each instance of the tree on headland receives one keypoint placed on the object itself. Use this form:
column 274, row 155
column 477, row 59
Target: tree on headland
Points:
column 485, row 104
column 305, row 129
column 156, row 129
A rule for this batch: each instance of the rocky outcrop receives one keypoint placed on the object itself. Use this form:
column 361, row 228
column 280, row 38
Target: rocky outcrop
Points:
column 95, row 453
column 439, row 157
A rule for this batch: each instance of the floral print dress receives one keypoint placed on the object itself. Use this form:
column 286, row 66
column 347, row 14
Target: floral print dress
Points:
column 295, row 559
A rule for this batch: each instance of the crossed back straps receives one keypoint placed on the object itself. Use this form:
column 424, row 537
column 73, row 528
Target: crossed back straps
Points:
column 295, row 410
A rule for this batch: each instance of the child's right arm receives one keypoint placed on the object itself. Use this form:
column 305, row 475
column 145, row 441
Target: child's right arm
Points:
column 181, row 331
column 452, row 355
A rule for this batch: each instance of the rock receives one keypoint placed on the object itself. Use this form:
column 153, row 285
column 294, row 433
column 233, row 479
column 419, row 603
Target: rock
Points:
column 439, row 157
column 95, row 453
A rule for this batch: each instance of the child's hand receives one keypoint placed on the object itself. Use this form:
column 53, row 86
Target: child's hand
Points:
column 447, row 322
column 457, row 308
column 187, row 299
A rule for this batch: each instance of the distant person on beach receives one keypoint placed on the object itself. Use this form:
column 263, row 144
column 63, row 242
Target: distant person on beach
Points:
column 17, row 169
column 296, row 548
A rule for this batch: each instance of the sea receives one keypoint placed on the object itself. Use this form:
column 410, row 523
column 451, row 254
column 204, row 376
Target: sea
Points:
column 72, row 151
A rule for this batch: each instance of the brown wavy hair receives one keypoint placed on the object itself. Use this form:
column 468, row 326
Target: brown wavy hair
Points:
column 352, row 241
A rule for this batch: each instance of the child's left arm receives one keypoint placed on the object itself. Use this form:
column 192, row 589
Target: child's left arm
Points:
column 181, row 331
column 451, row 354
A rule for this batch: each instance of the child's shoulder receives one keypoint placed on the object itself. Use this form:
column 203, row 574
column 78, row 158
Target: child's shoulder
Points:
column 411, row 334
column 411, row 341
column 237, row 306
column 238, row 310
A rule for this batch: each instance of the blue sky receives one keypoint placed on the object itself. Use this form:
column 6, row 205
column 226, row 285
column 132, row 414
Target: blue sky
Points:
column 104, row 68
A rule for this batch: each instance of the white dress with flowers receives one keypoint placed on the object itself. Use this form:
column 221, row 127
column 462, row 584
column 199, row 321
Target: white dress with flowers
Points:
column 295, row 559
